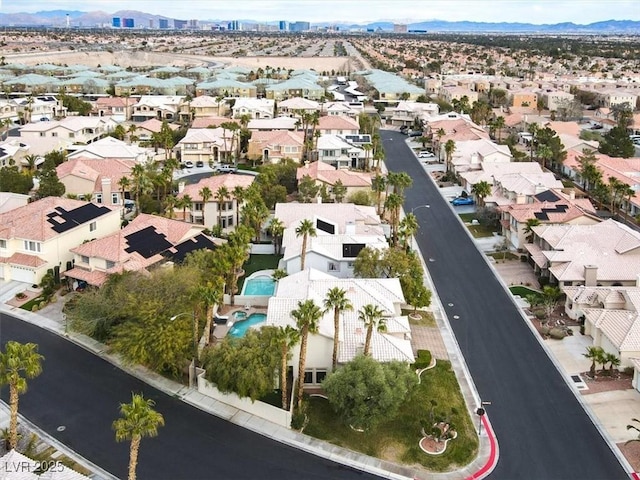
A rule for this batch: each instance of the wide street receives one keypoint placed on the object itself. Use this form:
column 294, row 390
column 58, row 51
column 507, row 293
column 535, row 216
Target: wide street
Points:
column 542, row 431
column 82, row 392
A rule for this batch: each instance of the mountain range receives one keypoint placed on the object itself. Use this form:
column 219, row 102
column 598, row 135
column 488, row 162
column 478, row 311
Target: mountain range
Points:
column 58, row 18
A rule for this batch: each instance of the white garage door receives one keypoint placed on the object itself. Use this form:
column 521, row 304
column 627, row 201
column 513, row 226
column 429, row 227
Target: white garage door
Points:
column 21, row 274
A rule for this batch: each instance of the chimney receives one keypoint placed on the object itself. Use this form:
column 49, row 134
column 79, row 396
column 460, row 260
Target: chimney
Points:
column 181, row 187
column 474, row 159
column 590, row 275
column 572, row 194
column 106, row 190
column 350, row 228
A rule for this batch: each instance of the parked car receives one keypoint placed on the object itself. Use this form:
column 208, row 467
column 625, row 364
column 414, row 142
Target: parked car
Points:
column 426, row 154
column 226, row 169
column 404, row 129
column 415, row 133
column 456, row 202
column 188, row 164
column 199, row 163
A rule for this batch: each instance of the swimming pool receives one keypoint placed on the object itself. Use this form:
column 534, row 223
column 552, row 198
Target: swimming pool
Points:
column 261, row 285
column 240, row 327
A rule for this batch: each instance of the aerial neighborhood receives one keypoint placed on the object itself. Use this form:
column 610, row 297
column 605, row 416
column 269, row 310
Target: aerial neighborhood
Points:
column 283, row 225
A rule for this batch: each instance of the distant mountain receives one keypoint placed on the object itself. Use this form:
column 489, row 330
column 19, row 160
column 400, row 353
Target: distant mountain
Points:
column 142, row 19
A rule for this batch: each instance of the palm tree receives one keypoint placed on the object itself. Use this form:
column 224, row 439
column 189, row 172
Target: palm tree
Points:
column 141, row 184
column 138, row 419
column 170, row 205
column 528, row 229
column 19, row 362
column 449, row 148
column 407, row 228
column 392, row 204
column 372, row 317
column 276, row 228
column 612, row 360
column 399, row 182
column 544, row 153
column 498, row 124
column 205, row 195
column 533, row 130
column 336, row 300
column 31, row 162
column 286, row 338
column 595, row 355
column 124, row 183
column 210, row 295
column 239, row 195
column 307, row 317
column 185, row 202
column 222, row 194
column 379, row 185
column 306, row 230
column 481, row 190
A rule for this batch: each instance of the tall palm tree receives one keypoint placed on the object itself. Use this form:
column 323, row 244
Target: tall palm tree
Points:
column 307, row 317
column 372, row 317
column 400, row 181
column 305, row 230
column 124, row 183
column 336, row 300
column 595, row 355
column 239, row 195
column 19, row 362
column 222, row 195
column 392, row 204
column 528, row 229
column 499, row 124
column 449, row 148
column 205, row 195
column 209, row 295
column 31, row 163
column 138, row 420
column 185, row 202
column 276, row 228
column 286, row 338
column 170, row 203
column 481, row 190
column 378, row 185
column 407, row 228
column 141, row 184
column 533, row 130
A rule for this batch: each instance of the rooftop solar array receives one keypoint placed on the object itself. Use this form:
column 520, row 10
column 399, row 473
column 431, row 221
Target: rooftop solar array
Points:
column 62, row 220
column 180, row 251
column 547, row 196
column 543, row 214
column 147, row 242
column 325, row 226
column 351, row 250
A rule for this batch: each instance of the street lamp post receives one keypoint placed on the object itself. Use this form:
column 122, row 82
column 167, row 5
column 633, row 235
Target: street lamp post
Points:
column 192, row 368
column 419, row 206
column 480, row 411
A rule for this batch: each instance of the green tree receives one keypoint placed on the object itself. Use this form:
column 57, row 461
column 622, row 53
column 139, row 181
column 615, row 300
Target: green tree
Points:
column 372, row 317
column 393, row 204
column 305, row 230
column 276, row 229
column 594, row 354
column 138, row 420
column 339, row 191
column 336, row 300
column 379, row 185
column 286, row 337
column 416, row 293
column 307, row 189
column 18, row 363
column 407, row 228
column 50, row 184
column 205, row 194
column 15, row 181
column 165, row 139
column 481, row 190
column 616, row 143
column 550, row 296
column 239, row 194
column 119, row 132
column 587, row 162
column 365, row 392
column 307, row 317
column 449, row 148
column 221, row 196
column 528, row 229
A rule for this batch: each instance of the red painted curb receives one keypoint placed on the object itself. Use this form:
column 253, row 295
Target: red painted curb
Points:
column 635, row 476
column 493, row 455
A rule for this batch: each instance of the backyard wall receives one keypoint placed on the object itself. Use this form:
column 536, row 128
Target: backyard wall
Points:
column 244, row 300
column 257, row 408
column 263, row 249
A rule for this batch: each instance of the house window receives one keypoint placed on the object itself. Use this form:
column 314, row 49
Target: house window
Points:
column 308, row 376
column 197, row 206
column 110, row 264
column 314, row 376
column 320, row 375
column 72, row 135
column 43, row 134
column 3, row 244
column 54, row 134
column 84, row 259
column 31, row 246
column 333, row 267
column 115, row 198
column 92, row 227
column 98, row 198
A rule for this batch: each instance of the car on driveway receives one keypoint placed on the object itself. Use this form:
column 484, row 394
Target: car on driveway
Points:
column 456, row 202
column 426, row 154
column 188, row 164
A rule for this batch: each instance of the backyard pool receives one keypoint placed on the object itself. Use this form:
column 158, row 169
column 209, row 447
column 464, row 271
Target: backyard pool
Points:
column 240, row 327
column 259, row 285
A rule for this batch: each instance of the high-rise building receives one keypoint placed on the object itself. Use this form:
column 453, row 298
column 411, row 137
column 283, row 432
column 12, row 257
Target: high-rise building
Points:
column 128, row 23
column 299, row 26
column 399, row 28
column 115, row 22
column 233, row 25
column 163, row 23
column 179, row 24
column 193, row 24
column 283, row 26
column 151, row 23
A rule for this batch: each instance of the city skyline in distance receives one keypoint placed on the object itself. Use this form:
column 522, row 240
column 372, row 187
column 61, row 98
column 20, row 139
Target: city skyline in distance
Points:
column 356, row 11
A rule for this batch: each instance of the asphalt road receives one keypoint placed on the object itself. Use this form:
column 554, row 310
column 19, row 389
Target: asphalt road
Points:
column 542, row 431
column 82, row 392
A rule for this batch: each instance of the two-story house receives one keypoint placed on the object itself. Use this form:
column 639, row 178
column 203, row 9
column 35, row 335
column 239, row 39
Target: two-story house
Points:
column 273, row 146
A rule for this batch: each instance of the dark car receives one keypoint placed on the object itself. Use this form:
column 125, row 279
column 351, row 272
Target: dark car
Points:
column 415, row 133
column 456, row 202
column 199, row 163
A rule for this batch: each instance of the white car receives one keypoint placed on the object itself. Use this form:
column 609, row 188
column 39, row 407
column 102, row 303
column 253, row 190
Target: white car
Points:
column 188, row 164
column 426, row 154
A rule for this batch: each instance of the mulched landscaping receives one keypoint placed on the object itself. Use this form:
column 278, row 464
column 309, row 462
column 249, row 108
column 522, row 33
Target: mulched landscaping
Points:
column 605, row 383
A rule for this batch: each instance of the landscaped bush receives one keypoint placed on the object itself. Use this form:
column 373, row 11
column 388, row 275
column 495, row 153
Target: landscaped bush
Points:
column 423, row 360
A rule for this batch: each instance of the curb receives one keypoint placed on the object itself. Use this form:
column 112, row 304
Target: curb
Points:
column 488, row 467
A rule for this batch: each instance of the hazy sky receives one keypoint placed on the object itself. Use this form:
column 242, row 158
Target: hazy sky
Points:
column 356, row 11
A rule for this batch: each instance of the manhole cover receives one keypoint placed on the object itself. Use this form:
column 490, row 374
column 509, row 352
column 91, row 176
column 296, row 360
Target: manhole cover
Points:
column 61, row 428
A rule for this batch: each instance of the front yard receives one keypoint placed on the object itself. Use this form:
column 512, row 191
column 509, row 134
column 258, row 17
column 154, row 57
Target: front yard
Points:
column 477, row 230
column 397, row 438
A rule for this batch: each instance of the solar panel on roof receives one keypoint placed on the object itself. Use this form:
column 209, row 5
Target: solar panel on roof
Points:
column 147, row 242
column 180, row 251
column 547, row 196
column 351, row 250
column 325, row 227
column 63, row 220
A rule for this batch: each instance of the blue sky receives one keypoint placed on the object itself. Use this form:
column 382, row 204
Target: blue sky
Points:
column 356, row 11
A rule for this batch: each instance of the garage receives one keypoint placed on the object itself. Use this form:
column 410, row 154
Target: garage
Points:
column 22, row 274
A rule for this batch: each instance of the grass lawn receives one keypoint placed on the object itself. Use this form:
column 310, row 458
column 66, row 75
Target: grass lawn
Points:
column 30, row 304
column 504, row 256
column 478, row 231
column 426, row 318
column 257, row 263
column 467, row 217
column 523, row 292
column 396, row 439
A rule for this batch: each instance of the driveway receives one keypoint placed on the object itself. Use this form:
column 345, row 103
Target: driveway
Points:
column 515, row 272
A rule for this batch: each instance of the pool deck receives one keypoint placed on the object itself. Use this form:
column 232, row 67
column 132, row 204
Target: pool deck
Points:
column 220, row 331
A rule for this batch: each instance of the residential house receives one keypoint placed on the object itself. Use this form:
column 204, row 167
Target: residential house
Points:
column 294, row 107
column 611, row 316
column 278, row 123
column 551, row 206
column 449, row 93
column 39, row 235
column 337, row 125
column 118, row 108
column 605, row 253
column 331, row 217
column 41, row 108
column 96, row 179
column 226, row 88
column 145, row 130
column 162, row 107
column 205, row 145
column 10, row 201
column 9, row 109
column 554, row 99
column 340, row 153
column 206, row 106
column 212, row 122
column 612, row 97
column 347, row 109
column 384, row 293
column 327, row 176
column 472, row 154
column 110, row 147
column 146, row 242
column 273, row 146
column 253, row 107
column 407, row 113
column 523, row 98
column 213, row 213
column 14, row 150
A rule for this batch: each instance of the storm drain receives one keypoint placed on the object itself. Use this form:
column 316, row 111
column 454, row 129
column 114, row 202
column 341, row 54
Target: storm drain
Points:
column 579, row 382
